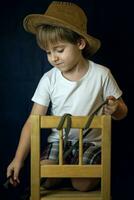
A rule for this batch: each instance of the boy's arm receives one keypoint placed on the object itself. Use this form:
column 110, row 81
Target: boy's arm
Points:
column 24, row 142
column 116, row 108
column 24, row 145
column 121, row 111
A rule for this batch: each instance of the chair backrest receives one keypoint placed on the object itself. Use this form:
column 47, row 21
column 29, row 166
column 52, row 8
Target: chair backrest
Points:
column 102, row 170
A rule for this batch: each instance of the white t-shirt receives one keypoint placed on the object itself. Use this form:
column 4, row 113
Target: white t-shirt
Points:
column 78, row 98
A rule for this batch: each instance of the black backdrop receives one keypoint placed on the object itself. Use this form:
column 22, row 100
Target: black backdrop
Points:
column 22, row 64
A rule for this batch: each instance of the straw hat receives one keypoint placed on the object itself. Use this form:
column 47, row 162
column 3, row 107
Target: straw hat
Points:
column 63, row 14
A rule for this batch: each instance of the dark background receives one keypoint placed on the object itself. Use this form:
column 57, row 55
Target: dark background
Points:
column 22, row 64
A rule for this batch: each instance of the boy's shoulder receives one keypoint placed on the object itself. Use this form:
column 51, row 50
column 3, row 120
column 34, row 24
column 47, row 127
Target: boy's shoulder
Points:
column 51, row 75
column 99, row 69
column 51, row 72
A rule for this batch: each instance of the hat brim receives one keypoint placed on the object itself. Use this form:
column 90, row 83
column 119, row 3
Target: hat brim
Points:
column 31, row 22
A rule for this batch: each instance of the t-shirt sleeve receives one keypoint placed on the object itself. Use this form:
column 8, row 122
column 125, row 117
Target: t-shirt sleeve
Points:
column 111, row 87
column 42, row 92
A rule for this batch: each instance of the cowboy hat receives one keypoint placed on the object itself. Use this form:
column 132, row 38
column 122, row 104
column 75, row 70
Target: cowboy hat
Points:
column 63, row 14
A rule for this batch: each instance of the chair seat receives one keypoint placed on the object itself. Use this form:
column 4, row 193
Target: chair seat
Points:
column 67, row 193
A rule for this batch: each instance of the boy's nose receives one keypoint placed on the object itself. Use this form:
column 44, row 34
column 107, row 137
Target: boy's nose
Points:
column 54, row 58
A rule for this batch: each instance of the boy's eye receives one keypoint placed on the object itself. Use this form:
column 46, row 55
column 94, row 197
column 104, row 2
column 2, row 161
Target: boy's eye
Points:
column 60, row 50
column 48, row 52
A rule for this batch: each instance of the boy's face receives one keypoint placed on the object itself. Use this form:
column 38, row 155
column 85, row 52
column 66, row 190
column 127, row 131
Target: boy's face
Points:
column 64, row 55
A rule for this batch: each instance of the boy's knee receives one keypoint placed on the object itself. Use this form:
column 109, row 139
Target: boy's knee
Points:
column 85, row 184
column 49, row 183
column 48, row 162
column 52, row 183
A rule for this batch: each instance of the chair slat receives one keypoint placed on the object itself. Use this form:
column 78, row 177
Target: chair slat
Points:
column 60, row 147
column 81, row 147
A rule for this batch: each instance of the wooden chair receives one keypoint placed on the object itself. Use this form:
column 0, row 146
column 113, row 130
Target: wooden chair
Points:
column 62, row 170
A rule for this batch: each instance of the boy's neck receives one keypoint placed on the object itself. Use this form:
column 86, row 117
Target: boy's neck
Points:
column 78, row 71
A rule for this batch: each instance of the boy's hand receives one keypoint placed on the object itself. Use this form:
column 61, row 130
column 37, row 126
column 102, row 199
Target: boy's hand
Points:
column 13, row 172
column 111, row 106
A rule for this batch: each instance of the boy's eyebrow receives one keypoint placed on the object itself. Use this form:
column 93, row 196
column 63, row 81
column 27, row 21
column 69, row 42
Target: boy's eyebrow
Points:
column 57, row 46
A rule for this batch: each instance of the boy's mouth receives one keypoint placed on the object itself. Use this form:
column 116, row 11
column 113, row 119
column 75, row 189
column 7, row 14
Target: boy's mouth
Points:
column 58, row 64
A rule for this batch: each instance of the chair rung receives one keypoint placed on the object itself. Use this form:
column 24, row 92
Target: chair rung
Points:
column 53, row 121
column 71, row 171
column 62, row 194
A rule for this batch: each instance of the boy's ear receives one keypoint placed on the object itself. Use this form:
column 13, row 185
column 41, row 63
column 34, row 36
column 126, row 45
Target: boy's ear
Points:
column 81, row 43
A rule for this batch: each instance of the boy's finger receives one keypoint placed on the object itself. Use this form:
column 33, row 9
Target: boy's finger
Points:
column 16, row 177
column 9, row 172
column 111, row 98
column 110, row 102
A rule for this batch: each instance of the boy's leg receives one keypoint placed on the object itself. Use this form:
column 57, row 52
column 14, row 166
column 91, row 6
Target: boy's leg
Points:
column 50, row 183
column 91, row 155
column 85, row 184
column 49, row 157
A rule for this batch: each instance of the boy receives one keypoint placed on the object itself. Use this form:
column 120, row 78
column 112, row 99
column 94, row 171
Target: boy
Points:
column 74, row 85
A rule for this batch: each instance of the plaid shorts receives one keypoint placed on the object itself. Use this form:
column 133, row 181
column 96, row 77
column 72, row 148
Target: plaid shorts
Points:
column 91, row 153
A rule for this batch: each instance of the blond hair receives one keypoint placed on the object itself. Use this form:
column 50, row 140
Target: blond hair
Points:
column 48, row 34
